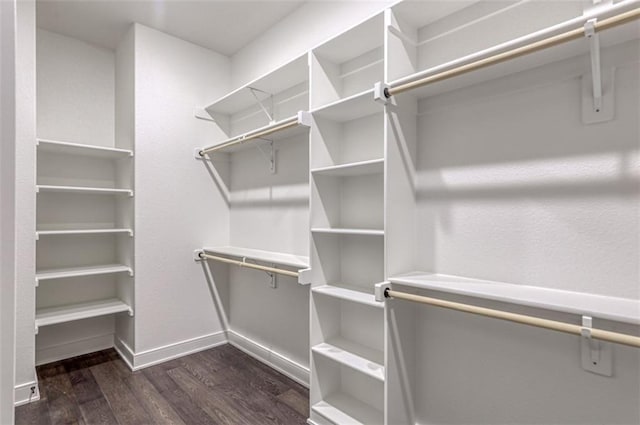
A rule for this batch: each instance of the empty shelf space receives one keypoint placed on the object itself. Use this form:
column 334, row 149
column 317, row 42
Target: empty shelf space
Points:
column 79, row 189
column 604, row 307
column 81, row 232
column 373, row 166
column 289, row 75
column 82, row 150
column 350, row 108
column 70, row 313
column 346, row 231
column 358, row 357
column 341, row 408
column 297, row 261
column 348, row 293
column 62, row 273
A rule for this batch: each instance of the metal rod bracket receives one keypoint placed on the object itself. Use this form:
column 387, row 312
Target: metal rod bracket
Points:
column 304, row 276
column 197, row 255
column 594, row 48
column 267, row 112
column 596, row 355
column 380, row 289
column 202, row 114
column 270, row 156
column 381, row 92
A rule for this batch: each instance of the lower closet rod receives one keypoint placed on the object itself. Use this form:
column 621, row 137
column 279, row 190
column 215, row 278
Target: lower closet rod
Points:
column 569, row 328
column 249, row 265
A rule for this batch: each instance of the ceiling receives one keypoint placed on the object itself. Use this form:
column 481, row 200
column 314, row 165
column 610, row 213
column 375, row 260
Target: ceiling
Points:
column 224, row 26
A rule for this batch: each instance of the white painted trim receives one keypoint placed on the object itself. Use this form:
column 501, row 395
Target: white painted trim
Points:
column 73, row 348
column 22, row 393
column 282, row 364
column 143, row 359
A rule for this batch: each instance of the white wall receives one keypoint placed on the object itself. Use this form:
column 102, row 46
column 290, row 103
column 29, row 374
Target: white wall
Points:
column 75, row 90
column 25, row 196
column 7, row 212
column 309, row 25
column 178, row 208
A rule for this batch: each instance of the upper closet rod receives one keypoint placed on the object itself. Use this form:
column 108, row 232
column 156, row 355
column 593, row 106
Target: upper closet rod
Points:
column 569, row 328
column 456, row 68
column 282, row 125
column 249, row 265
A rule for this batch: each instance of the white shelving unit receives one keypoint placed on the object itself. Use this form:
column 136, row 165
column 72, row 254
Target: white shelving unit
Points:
column 84, row 207
column 347, row 228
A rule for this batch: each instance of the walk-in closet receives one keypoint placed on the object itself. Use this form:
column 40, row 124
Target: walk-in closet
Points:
column 320, row 212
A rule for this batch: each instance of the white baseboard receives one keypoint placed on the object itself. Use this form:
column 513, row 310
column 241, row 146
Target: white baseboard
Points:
column 282, row 364
column 23, row 394
column 140, row 360
column 74, row 348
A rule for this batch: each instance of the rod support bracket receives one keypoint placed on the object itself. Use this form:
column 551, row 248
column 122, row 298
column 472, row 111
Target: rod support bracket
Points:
column 304, row 276
column 198, row 255
column 594, row 47
column 596, row 355
column 304, row 118
column 380, row 92
column 202, row 114
column 380, row 291
column 199, row 155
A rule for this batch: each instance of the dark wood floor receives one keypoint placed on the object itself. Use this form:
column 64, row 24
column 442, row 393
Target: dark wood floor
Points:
column 218, row 386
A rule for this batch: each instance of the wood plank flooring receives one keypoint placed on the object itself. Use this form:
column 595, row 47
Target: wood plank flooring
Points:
column 222, row 385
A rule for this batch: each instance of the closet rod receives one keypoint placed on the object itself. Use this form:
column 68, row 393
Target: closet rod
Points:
column 428, row 76
column 249, row 265
column 282, row 125
column 569, row 328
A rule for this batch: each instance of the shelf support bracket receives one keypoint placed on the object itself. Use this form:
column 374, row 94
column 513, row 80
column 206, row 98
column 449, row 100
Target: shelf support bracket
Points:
column 596, row 355
column 597, row 87
column 380, row 289
column 268, row 113
column 270, row 156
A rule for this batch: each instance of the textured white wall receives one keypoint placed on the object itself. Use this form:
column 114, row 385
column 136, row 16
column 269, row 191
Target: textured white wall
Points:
column 75, row 90
column 178, row 208
column 25, row 190
column 7, row 211
column 309, row 25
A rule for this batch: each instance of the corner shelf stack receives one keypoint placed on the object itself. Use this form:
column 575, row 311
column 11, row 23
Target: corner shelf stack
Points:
column 347, row 228
column 84, row 232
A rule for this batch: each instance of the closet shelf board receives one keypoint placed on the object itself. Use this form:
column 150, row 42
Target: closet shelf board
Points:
column 272, row 257
column 78, row 149
column 362, row 168
column 350, row 108
column 287, row 133
column 80, row 189
column 61, row 273
column 81, row 232
column 348, row 293
column 360, row 358
column 73, row 312
column 346, row 231
column 341, row 408
column 283, row 78
column 604, row 307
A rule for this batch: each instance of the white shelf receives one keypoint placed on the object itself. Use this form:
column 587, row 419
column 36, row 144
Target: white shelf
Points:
column 348, row 293
column 70, row 313
column 67, row 148
column 344, row 231
column 600, row 306
column 288, row 76
column 62, row 273
column 362, row 168
column 341, row 408
column 79, row 189
column 358, row 357
column 350, row 108
column 82, row 232
column 297, row 261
